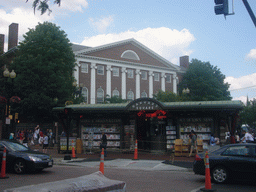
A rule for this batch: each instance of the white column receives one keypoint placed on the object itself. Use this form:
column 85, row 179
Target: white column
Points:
column 150, row 90
column 108, row 83
column 163, row 81
column 124, row 71
column 93, row 83
column 138, row 73
column 76, row 72
column 174, row 83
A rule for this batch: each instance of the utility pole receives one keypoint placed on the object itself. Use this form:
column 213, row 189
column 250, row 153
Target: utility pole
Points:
column 246, row 4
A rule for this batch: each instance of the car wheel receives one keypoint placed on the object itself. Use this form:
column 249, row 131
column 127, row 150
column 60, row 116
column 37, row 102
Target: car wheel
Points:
column 19, row 166
column 220, row 174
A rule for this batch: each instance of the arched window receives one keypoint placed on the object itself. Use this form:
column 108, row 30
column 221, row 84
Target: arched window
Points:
column 115, row 93
column 85, row 94
column 129, row 54
column 100, row 95
column 130, row 96
column 144, row 94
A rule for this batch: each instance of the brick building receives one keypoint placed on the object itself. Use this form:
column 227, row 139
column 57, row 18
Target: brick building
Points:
column 127, row 69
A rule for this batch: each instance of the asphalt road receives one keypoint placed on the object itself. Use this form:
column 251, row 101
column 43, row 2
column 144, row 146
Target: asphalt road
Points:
column 137, row 180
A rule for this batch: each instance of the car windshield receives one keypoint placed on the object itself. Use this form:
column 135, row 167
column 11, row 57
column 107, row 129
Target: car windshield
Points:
column 17, row 147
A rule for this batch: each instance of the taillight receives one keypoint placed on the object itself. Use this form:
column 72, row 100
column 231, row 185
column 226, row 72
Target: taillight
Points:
column 197, row 158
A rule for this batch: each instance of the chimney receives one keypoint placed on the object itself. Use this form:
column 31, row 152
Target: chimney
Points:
column 13, row 35
column 184, row 61
column 1, row 43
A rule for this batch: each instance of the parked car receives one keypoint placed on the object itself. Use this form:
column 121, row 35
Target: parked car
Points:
column 21, row 159
column 234, row 161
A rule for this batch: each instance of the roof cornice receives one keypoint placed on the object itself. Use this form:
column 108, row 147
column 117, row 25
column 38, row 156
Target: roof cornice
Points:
column 135, row 43
column 126, row 63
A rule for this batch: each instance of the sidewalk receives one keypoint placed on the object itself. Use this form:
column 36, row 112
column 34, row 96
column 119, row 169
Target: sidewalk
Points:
column 120, row 159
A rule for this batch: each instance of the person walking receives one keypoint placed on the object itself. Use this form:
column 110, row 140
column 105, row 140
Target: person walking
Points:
column 104, row 143
column 247, row 138
column 193, row 143
column 45, row 143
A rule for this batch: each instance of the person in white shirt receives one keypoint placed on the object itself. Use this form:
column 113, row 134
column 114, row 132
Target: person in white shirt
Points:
column 45, row 143
column 247, row 138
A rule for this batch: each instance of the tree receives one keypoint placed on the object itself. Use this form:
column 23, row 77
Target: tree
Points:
column 44, row 66
column 114, row 99
column 205, row 82
column 168, row 96
column 43, row 5
column 247, row 115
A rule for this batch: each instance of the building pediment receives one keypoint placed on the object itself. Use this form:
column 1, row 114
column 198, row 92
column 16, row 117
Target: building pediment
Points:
column 128, row 51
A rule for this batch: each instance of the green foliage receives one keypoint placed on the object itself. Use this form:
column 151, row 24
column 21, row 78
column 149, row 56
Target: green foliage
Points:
column 44, row 67
column 205, row 82
column 167, row 96
column 43, row 5
column 247, row 115
column 114, row 99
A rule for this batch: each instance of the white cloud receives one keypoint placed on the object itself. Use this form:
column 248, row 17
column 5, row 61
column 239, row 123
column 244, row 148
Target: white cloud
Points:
column 101, row 24
column 18, row 11
column 74, row 5
column 252, row 54
column 242, row 87
column 241, row 82
column 170, row 44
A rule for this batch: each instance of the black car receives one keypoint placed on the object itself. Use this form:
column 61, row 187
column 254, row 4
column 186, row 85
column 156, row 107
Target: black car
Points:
column 230, row 162
column 21, row 159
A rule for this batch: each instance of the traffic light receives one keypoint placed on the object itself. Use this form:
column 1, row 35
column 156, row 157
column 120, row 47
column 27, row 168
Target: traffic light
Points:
column 221, row 7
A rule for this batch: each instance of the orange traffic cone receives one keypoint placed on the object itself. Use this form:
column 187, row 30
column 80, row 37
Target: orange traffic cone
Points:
column 208, row 185
column 102, row 161
column 3, row 168
column 73, row 150
column 136, row 151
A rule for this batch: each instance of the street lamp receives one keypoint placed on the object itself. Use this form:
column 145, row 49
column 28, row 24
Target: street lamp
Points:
column 9, row 92
column 186, row 91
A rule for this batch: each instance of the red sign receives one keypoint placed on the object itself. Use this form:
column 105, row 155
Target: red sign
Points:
column 160, row 114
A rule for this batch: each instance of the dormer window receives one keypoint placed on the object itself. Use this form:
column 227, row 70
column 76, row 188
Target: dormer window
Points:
column 129, row 54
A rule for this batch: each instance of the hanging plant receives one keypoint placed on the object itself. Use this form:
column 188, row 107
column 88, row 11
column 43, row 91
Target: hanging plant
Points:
column 15, row 99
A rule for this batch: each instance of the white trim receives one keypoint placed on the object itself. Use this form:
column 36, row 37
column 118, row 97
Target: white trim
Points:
column 108, row 80
column 138, row 73
column 174, row 84
column 132, row 52
column 117, row 63
column 163, row 76
column 123, row 71
column 150, row 78
column 136, row 43
column 93, row 82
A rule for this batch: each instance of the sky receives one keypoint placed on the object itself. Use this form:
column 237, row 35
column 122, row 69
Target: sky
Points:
column 171, row 28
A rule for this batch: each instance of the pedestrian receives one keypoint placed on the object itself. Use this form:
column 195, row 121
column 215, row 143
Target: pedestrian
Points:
column 193, row 143
column 36, row 135
column 50, row 136
column 25, row 138
column 237, row 137
column 214, row 140
column 248, row 138
column 103, row 143
column 41, row 137
column 11, row 137
column 21, row 136
column 45, row 142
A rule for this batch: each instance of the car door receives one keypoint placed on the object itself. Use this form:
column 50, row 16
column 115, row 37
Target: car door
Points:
column 240, row 158
column 253, row 150
column 1, row 153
